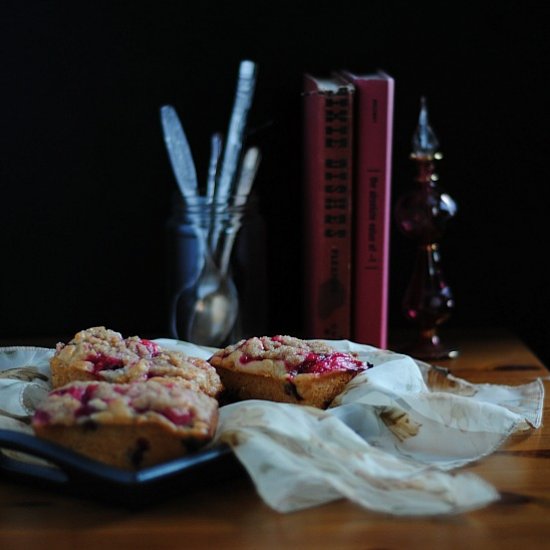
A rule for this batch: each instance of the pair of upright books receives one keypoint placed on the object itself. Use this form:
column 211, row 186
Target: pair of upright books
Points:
column 347, row 142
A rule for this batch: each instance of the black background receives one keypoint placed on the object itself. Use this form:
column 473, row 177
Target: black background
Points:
column 86, row 187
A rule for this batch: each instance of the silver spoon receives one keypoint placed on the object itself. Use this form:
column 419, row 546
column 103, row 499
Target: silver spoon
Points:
column 214, row 314
column 204, row 312
column 246, row 83
column 216, row 144
column 216, row 311
column 249, row 168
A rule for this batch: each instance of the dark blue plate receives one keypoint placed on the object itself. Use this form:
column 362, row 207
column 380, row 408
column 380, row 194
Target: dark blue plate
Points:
column 76, row 474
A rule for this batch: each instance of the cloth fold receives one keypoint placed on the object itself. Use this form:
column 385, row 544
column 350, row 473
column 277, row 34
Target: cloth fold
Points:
column 300, row 457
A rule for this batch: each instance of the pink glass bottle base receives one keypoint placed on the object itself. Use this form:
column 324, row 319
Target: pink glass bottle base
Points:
column 429, row 346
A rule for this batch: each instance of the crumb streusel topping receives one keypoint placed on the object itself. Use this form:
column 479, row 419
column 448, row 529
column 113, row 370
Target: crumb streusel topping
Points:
column 285, row 356
column 169, row 403
column 107, row 356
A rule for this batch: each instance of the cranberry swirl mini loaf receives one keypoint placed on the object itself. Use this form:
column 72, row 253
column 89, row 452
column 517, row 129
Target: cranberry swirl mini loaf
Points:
column 100, row 354
column 285, row 369
column 129, row 426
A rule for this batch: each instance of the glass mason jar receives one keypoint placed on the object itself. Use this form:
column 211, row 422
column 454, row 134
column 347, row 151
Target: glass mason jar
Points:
column 217, row 271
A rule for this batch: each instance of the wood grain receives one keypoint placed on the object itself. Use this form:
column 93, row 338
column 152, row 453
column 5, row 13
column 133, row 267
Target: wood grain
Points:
column 231, row 515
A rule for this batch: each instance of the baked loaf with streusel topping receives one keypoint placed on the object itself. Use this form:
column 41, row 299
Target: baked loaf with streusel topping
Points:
column 284, row 369
column 129, row 426
column 101, row 354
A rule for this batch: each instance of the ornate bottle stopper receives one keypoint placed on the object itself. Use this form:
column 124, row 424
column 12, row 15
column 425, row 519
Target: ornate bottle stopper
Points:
column 422, row 215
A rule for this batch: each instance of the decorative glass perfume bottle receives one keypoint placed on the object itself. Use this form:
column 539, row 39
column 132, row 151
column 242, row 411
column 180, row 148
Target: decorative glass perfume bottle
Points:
column 422, row 215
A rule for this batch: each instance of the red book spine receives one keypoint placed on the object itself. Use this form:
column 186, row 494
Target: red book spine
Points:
column 327, row 143
column 372, row 187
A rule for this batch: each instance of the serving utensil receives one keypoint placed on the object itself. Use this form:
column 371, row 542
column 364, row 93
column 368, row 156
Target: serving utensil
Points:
column 208, row 308
column 179, row 152
column 246, row 84
column 209, row 311
column 249, row 168
column 205, row 309
column 216, row 309
column 214, row 315
column 216, row 143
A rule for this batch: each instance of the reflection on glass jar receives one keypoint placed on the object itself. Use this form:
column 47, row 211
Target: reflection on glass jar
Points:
column 217, row 286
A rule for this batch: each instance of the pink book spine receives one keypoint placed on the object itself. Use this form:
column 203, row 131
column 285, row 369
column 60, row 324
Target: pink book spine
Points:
column 327, row 185
column 375, row 94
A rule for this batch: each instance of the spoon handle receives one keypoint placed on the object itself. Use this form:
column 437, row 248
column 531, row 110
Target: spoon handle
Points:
column 249, row 168
column 215, row 153
column 237, row 124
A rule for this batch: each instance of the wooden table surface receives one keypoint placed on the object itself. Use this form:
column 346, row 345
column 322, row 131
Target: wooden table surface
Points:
column 231, row 515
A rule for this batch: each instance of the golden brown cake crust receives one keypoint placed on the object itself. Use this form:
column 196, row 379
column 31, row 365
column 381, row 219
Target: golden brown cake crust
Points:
column 102, row 354
column 128, row 425
column 304, row 389
column 285, row 369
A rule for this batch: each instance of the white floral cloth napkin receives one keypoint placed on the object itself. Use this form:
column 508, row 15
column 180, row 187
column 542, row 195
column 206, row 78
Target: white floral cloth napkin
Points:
column 388, row 442
column 24, row 382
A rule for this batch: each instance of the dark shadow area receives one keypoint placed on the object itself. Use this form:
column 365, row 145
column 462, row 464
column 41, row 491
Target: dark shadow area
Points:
column 86, row 185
